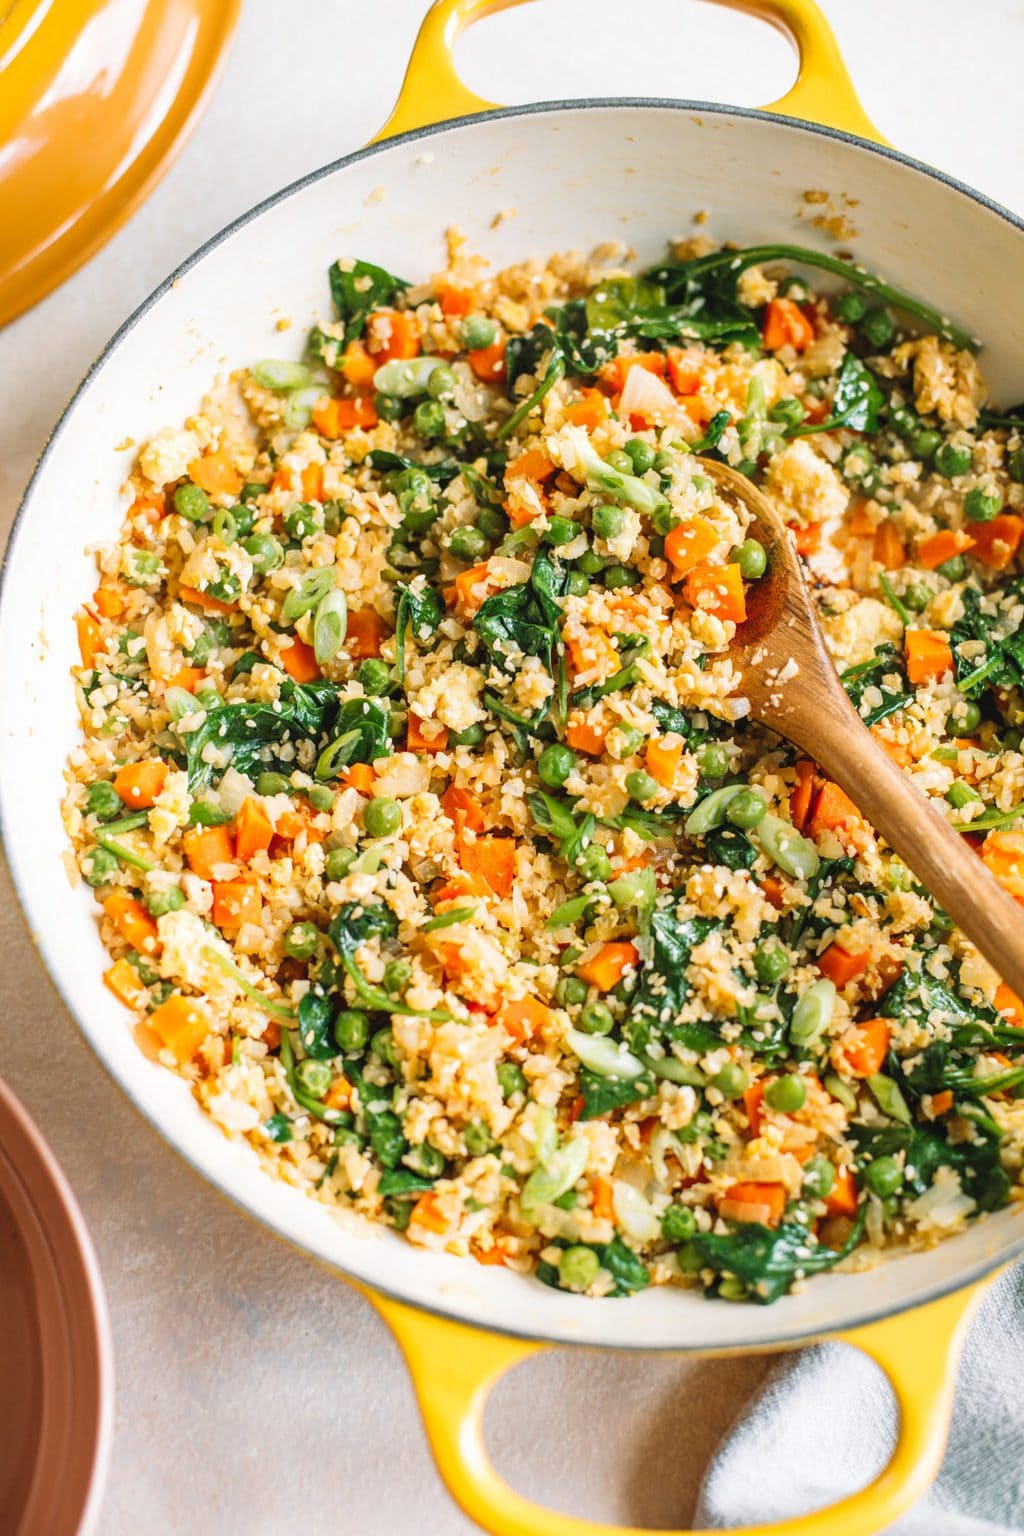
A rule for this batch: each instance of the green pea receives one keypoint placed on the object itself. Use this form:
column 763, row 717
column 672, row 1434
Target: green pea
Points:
column 428, row 419
column 375, row 676
column 619, row 459
column 883, row 1176
column 1015, row 463
column 478, row 331
column 171, row 900
column 917, row 596
column 191, row 502
column 251, row 489
column 265, row 552
column 625, row 740
column 594, row 863
column 338, row 863
column 351, row 1029
column 300, row 523
column 857, row 462
column 747, row 809
column 478, row 1138
column 770, row 962
column 964, row 718
column 905, row 421
column 578, row 584
column 99, row 867
column 301, row 941
column 467, row 543
column 924, row 444
column 320, row 797
column 678, row 1224
column 560, row 530
column 510, row 1079
column 492, row 522
column 273, row 784
column 382, row 817
column 640, row 786
column 751, row 558
column 786, row 1094
column 731, row 1081
column 397, row 975
column 850, row 307
column 712, row 760
column 555, row 764
column 596, row 1019
column 954, row 569
column 664, row 462
column 641, row 455
column 315, row 1076
column 578, row 1268
column 571, row 991
column 664, row 520
column 819, row 1178
column 617, row 576
column 878, row 327
column 961, row 794
column 472, row 736
column 388, row 408
column 441, row 382
column 382, row 1045
column 982, row 504
column 952, row 459
column 789, row 412
column 589, row 563
column 608, row 521
column 103, row 800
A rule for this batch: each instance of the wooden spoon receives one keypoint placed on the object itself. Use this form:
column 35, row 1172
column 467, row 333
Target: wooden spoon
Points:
column 793, row 687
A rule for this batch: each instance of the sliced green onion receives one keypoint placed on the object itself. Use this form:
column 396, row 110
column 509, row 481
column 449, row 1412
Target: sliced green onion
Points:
column 448, row 919
column 785, row 846
column 308, row 593
column 813, row 1012
column 336, row 755
column 674, row 1071
column 710, row 813
column 404, row 378
column 558, row 1175
column 889, row 1098
column 330, row 626
column 274, row 373
column 602, row 1055
column 298, row 408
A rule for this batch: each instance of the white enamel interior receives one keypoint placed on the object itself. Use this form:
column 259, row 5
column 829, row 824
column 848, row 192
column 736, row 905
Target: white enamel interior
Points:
column 572, row 177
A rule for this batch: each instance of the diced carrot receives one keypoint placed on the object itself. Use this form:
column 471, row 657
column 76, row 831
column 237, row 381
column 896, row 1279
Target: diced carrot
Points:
column 942, row 1103
column 865, row 1048
column 840, row 966
column 523, row 1017
column 419, row 739
column 488, row 363
column 188, row 678
column 606, row 967
column 365, row 634
column 897, row 750
column 296, row 820
column 138, row 784
column 333, row 416
column 764, row 1203
column 717, row 589
column 613, row 375
column 108, row 601
column 339, row 1094
column 663, row 761
column 522, row 507
column 131, row 920
column 206, row 848
column 689, row 543
column 806, row 538
column 299, row 661
column 786, row 325
column 357, row 366
column 753, row 1103
column 602, row 1204
column 427, row 1213
column 888, row 547
column 773, row 891
column 150, row 508
column 312, row 481
column 281, row 480
column 460, row 887
column 996, row 542
column 215, row 474
column 462, row 808
column 531, row 464
column 182, row 1026
column 591, row 411
column 204, row 600
column 493, row 1256
column 832, row 808
column 801, row 798
column 392, row 333
column 236, row 903
column 1003, row 855
column 1010, row 1004
column 592, row 649
column 456, row 301
column 90, row 637
column 492, row 857
column 684, row 369
column 254, row 830
column 359, row 777
column 471, row 587
column 124, row 981
column 928, row 655
column 841, row 1199
column 939, row 547
column 584, row 737
column 860, row 522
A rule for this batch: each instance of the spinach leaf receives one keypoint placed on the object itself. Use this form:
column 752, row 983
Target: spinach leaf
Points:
column 358, row 290
column 1003, row 666
column 403, row 1184
column 360, row 734
column 768, row 1260
column 316, row 1014
column 603, row 1094
column 554, row 371
column 553, row 816
column 626, row 1268
column 386, row 463
column 856, row 405
column 915, row 995
column 382, row 1125
column 649, row 825
column 245, row 735
column 352, row 925
column 525, row 619
column 420, row 608
column 926, row 1150
column 662, row 988
column 712, row 433
column 886, row 662
column 731, row 848
column 670, row 719
column 486, row 492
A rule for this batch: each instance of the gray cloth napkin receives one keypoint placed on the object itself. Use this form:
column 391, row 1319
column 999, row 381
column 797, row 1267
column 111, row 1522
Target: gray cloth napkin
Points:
column 823, row 1425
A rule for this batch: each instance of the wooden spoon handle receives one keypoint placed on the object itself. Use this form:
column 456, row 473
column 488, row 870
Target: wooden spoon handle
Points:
column 834, row 735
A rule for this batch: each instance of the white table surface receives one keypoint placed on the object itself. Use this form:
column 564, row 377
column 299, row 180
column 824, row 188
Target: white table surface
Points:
column 255, row 1393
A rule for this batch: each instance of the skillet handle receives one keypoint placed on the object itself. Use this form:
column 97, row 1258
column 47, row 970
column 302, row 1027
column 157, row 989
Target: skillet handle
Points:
column 453, row 1368
column 823, row 92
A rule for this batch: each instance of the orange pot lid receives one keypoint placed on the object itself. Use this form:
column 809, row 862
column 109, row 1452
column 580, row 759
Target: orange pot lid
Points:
column 97, row 98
